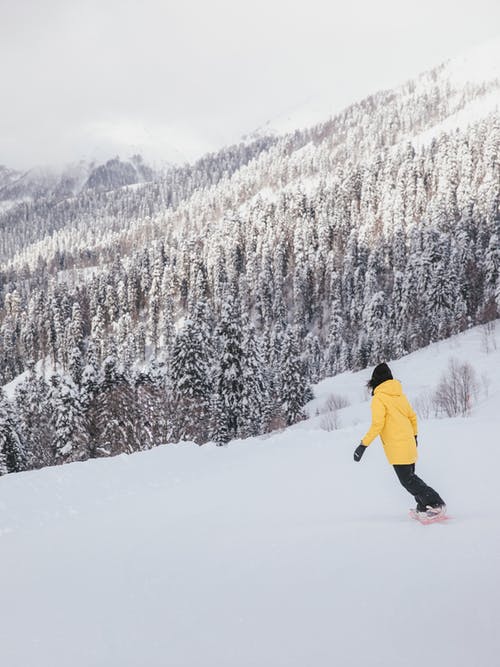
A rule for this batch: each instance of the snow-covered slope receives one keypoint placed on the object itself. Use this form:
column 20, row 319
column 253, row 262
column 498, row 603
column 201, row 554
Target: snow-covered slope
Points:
column 276, row 551
column 479, row 66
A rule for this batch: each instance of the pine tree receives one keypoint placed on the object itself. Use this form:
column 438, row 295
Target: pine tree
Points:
column 154, row 313
column 34, row 419
column 293, row 383
column 75, row 339
column 68, row 420
column 166, row 324
column 116, row 413
column 153, row 406
column 332, row 358
column 99, row 332
column 89, row 398
column 190, row 378
column 255, row 396
column 12, row 454
column 229, row 382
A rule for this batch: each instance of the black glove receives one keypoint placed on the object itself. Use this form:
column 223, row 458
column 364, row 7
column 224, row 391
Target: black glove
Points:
column 358, row 452
column 416, row 440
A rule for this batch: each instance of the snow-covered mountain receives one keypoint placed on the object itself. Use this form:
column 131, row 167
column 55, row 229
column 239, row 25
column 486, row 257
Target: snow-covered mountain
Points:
column 479, row 66
column 70, row 180
column 277, row 550
column 290, row 258
column 160, row 144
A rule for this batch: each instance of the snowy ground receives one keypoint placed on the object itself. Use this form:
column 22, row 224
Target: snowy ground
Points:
column 275, row 552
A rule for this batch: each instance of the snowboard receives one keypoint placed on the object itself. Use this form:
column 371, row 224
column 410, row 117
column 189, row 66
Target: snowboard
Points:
column 426, row 520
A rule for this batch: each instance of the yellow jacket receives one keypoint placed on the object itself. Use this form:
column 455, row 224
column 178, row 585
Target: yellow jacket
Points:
column 395, row 421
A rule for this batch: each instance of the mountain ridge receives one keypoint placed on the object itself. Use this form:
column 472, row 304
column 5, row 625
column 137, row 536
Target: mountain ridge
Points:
column 479, row 65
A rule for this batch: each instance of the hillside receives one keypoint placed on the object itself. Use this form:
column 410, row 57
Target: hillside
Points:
column 455, row 95
column 274, row 551
column 216, row 293
column 479, row 66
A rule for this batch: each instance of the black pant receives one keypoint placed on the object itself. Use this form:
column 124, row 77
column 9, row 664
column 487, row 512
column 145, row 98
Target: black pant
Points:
column 422, row 493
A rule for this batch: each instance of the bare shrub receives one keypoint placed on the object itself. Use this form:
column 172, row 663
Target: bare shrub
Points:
column 330, row 421
column 424, row 405
column 457, row 390
column 335, row 402
column 330, row 410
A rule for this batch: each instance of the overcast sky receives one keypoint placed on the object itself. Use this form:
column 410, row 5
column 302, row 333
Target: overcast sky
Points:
column 77, row 76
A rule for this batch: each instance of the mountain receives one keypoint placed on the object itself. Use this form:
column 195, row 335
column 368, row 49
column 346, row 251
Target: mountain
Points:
column 7, row 176
column 159, row 144
column 215, row 294
column 278, row 550
column 57, row 184
column 453, row 96
column 116, row 174
column 477, row 67
column 41, row 182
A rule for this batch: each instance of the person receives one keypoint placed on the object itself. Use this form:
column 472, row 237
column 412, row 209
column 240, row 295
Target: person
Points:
column 395, row 421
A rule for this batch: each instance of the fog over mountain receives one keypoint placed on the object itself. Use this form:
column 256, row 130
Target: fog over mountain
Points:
column 173, row 81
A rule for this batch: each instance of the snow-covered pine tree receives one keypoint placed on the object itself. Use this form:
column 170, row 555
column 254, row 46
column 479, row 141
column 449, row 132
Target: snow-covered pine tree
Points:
column 332, row 361
column 191, row 384
column 442, row 289
column 154, row 312
column 75, row 344
column 166, row 323
column 67, row 416
column 34, row 420
column 125, row 342
column 98, row 332
column 293, row 382
column 12, row 453
column 116, row 413
column 313, row 357
column 255, row 395
column 229, row 380
column 89, row 397
column 153, row 406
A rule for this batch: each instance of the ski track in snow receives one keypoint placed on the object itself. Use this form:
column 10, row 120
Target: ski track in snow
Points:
column 278, row 551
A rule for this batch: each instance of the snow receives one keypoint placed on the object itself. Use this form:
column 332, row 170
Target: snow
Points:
column 10, row 388
column 276, row 551
column 8, row 204
column 78, row 276
column 310, row 112
column 421, row 372
column 159, row 143
column 473, row 112
column 480, row 64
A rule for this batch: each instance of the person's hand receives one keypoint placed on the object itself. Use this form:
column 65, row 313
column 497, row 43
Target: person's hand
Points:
column 359, row 451
column 416, row 440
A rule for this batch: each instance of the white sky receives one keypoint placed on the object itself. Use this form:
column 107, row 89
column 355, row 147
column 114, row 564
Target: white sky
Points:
column 81, row 76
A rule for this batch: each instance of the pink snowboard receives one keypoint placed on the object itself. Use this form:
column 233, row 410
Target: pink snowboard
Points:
column 425, row 520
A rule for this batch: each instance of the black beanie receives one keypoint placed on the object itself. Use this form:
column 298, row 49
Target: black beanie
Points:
column 380, row 374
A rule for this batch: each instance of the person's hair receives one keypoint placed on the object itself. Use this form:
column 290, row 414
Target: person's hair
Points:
column 381, row 373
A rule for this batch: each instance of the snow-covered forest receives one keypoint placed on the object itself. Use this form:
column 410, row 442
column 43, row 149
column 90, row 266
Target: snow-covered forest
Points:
column 141, row 307
column 275, row 551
